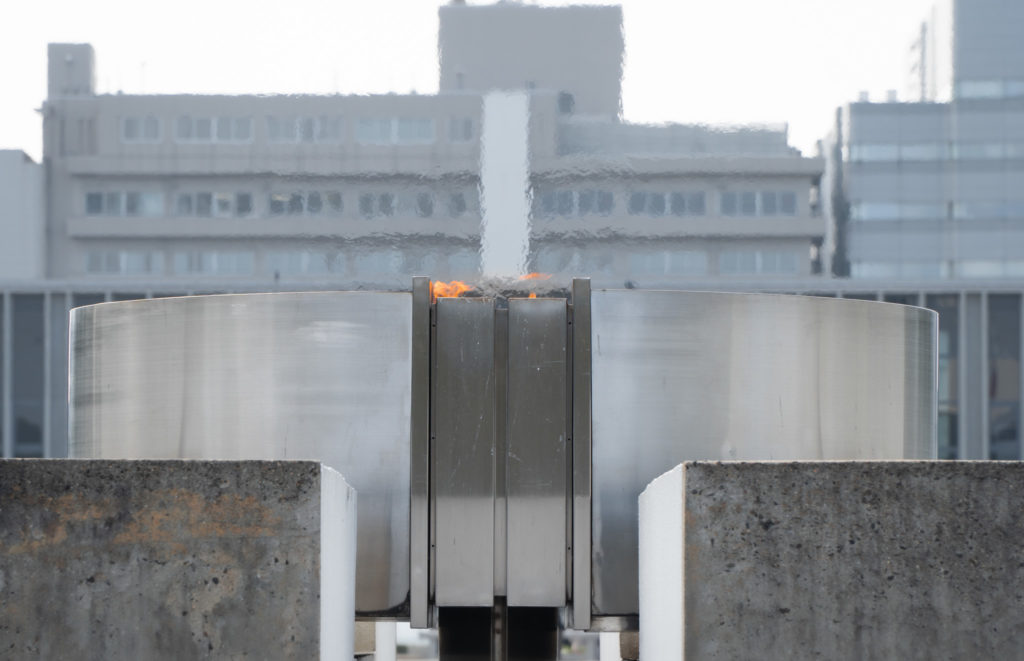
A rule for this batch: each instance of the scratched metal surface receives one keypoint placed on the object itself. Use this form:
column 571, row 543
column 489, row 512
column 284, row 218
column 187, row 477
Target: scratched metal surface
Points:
column 683, row 375
column 322, row 376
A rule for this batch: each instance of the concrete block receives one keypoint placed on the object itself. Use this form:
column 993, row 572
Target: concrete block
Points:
column 175, row 560
column 833, row 560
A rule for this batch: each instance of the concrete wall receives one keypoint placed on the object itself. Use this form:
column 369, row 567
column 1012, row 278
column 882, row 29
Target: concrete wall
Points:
column 175, row 560
column 22, row 220
column 847, row 560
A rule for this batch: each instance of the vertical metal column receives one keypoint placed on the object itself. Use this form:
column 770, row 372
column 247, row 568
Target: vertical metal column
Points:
column 581, row 454
column 419, row 458
column 537, row 452
column 462, row 455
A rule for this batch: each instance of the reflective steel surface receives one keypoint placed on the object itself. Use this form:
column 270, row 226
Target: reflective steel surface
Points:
column 322, row 376
column 538, row 489
column 682, row 376
column 462, row 474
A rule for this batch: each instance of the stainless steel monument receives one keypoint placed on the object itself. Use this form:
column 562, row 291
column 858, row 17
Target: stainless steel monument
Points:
column 498, row 444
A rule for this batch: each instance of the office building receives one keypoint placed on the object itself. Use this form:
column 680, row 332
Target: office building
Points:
column 934, row 187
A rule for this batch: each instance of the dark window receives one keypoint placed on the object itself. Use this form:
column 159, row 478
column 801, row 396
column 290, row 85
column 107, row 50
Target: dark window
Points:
column 656, row 204
column 769, row 203
column 295, row 204
column 695, row 204
column 334, row 201
column 678, row 204
column 787, row 204
column 586, row 202
column 729, row 204
column 565, row 204
column 386, row 204
column 278, row 201
column 605, row 201
column 748, row 204
column 314, row 202
column 183, row 206
column 637, row 203
column 204, row 204
column 243, row 204
column 424, row 205
column 1004, row 375
column 548, row 202
column 132, row 204
column 94, row 204
column 457, row 204
column 27, row 363
column 366, row 205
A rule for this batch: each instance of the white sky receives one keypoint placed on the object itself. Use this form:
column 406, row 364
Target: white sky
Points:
column 712, row 61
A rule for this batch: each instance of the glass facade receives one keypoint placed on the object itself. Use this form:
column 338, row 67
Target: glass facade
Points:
column 27, row 366
column 949, row 342
column 1004, row 339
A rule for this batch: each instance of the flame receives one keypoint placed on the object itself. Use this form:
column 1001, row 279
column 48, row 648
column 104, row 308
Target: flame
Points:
column 532, row 295
column 535, row 276
column 451, row 289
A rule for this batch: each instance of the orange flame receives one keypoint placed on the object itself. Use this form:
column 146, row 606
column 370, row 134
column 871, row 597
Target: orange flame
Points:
column 535, row 276
column 451, row 289
column 532, row 295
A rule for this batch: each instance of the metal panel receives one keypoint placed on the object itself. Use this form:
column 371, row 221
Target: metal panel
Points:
column 463, row 453
column 537, row 461
column 419, row 458
column 581, row 444
column 739, row 376
column 322, row 376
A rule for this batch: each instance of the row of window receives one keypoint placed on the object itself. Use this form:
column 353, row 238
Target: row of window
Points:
column 277, row 263
column 930, row 270
column 935, row 151
column 377, row 261
column 937, row 210
column 296, row 129
column 564, row 202
column 209, row 204
column 673, row 262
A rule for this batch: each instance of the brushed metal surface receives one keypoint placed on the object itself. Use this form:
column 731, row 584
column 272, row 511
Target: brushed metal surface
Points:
column 419, row 458
column 322, row 376
column 537, row 451
column 581, row 454
column 462, row 453
column 685, row 375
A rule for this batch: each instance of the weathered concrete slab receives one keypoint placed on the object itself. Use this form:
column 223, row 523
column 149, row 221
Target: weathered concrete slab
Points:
column 175, row 560
column 822, row 560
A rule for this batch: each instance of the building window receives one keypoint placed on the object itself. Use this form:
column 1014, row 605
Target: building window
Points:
column 373, row 131
column 637, row 203
column 456, row 204
column 460, row 129
column 140, row 129
column 335, row 202
column 594, row 201
column 124, row 262
column 748, row 204
column 94, row 204
column 302, row 263
column 213, row 263
column 415, row 130
column 729, row 204
column 751, row 262
column 424, row 205
column 144, row 204
column 787, row 203
column 132, row 203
